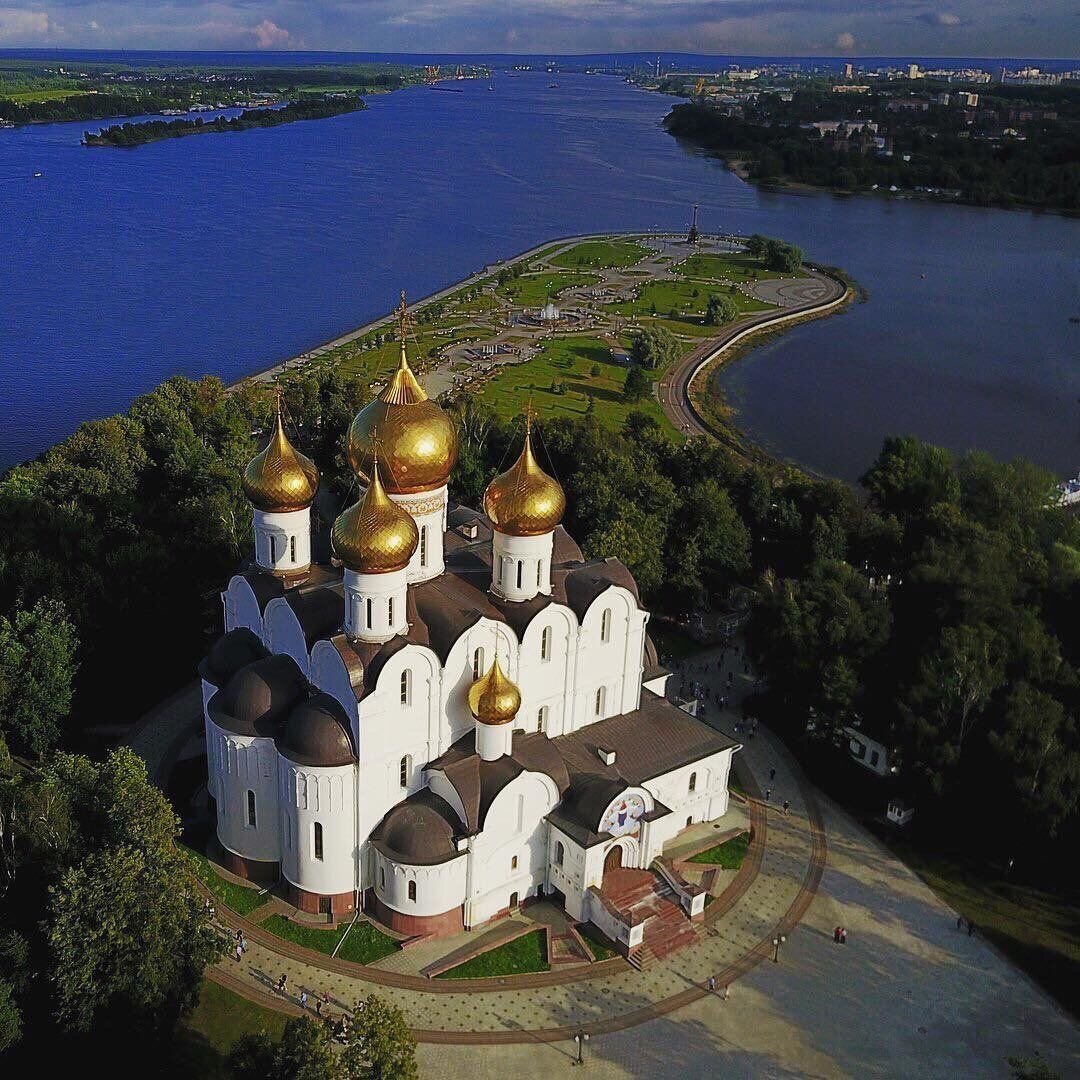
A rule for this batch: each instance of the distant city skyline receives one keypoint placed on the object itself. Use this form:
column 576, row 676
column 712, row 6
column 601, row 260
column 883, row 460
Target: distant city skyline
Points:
column 972, row 28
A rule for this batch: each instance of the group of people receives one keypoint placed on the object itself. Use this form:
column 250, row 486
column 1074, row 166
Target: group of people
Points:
column 240, row 947
column 339, row 1027
column 839, row 935
column 768, row 792
column 725, row 991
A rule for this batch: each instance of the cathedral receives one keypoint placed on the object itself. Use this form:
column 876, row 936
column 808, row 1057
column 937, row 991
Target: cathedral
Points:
column 452, row 712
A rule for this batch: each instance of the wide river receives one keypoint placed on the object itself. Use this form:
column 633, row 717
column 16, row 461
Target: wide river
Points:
column 226, row 253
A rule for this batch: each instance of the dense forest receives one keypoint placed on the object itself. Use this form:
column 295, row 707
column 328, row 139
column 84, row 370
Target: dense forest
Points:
column 935, row 149
column 309, row 108
column 936, row 608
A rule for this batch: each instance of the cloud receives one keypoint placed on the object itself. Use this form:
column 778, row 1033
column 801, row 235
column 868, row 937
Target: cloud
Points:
column 20, row 25
column 940, row 18
column 95, row 25
column 268, row 35
column 845, row 41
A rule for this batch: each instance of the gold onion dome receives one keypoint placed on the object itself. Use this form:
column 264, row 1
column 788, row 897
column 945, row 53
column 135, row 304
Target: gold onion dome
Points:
column 375, row 536
column 417, row 440
column 524, row 500
column 279, row 479
column 493, row 698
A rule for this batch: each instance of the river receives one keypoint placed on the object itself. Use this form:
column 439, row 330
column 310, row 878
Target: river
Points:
column 227, row 253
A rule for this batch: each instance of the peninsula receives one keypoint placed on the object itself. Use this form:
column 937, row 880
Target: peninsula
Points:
column 311, row 108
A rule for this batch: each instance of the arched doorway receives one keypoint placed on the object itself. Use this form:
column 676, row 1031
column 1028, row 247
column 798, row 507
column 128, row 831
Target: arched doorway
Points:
column 613, row 859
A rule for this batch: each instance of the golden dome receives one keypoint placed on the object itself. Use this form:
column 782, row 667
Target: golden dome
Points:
column 417, row 440
column 279, row 478
column 493, row 698
column 524, row 500
column 375, row 536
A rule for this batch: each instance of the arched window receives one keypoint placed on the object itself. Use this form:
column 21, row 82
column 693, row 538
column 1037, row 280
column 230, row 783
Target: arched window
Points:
column 292, row 549
column 403, row 771
column 605, row 625
column 251, row 809
column 412, row 889
column 599, row 701
column 273, row 547
column 406, row 686
column 541, row 719
column 318, row 841
column 423, row 545
column 390, row 611
column 368, row 608
column 521, row 570
column 545, row 643
column 539, row 572
column 301, row 791
column 382, row 877
column 478, row 662
column 693, row 781
column 513, row 862
column 560, row 853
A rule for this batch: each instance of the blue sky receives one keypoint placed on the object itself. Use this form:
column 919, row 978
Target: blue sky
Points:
column 819, row 27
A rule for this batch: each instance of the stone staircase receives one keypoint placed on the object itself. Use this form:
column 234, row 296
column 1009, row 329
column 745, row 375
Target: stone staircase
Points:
column 642, row 896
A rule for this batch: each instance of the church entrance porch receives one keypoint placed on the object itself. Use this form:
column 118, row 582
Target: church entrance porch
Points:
column 640, row 896
column 613, row 860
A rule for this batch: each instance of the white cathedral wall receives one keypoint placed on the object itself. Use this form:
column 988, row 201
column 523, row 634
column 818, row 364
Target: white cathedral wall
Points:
column 547, row 682
column 521, row 565
column 613, row 664
column 514, row 828
column 439, row 888
column 236, row 765
column 311, row 795
column 329, row 674
column 283, row 633
column 568, row 876
column 707, row 802
column 242, row 607
column 455, row 720
column 428, row 509
column 282, row 541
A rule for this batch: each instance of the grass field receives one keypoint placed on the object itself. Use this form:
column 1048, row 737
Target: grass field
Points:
column 370, row 364
column 602, row 253
column 568, row 361
column 688, row 299
column 533, row 290
column 26, row 97
column 243, row 899
column 728, row 855
column 735, row 267
column 364, row 945
column 524, row 954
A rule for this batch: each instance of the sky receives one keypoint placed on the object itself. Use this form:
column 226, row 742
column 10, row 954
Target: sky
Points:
column 1035, row 28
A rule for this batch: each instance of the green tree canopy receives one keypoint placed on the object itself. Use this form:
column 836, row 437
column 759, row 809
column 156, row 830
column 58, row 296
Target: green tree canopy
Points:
column 380, row 1045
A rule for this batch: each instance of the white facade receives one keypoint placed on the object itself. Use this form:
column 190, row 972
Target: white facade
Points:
column 521, row 565
column 283, row 540
column 375, row 605
column 428, row 510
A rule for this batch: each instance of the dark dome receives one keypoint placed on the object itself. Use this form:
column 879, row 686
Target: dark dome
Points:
column 317, row 733
column 259, row 696
column 419, row 831
column 229, row 654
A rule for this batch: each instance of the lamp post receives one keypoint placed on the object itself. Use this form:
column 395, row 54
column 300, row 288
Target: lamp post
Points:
column 581, row 1038
column 777, row 942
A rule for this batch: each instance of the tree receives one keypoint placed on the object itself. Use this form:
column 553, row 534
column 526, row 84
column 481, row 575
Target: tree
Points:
column 654, row 347
column 380, row 1045
column 305, row 1051
column 1035, row 1067
column 37, row 670
column 781, row 256
column 10, row 1018
column 637, row 384
column 720, row 309
column 910, row 476
column 756, row 245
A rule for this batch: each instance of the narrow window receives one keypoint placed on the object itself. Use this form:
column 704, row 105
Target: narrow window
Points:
column 368, row 612
column 403, row 771
column 478, row 663
column 390, row 611
column 382, row 877
column 539, row 569
column 292, row 549
column 545, row 643
column 273, row 547
column 288, row 833
column 412, row 890
column 689, row 822
column 521, row 569
column 423, row 545
column 541, row 719
column 605, row 625
column 251, row 809
column 600, row 701
column 318, row 841
column 513, row 862
column 405, row 687
column 693, row 781
column 560, row 853
column 301, row 791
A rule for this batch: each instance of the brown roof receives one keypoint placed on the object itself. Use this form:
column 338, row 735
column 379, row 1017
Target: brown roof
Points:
column 320, row 612
column 259, row 696
column 653, row 668
column 317, row 733
column 419, row 831
column 229, row 654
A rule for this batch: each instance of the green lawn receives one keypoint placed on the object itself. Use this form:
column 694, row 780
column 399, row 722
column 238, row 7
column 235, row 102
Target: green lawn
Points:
column 599, row 945
column 570, row 361
column 27, row 97
column 364, row 945
column 533, row 290
column 728, row 855
column 523, row 954
column 602, row 253
column 371, row 364
column 206, row 1036
column 663, row 297
column 243, row 899
column 736, row 267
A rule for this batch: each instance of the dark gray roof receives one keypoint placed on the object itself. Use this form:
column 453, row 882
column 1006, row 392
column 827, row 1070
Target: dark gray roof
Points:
column 419, row 831
column 320, row 612
column 317, row 733
column 259, row 696
column 229, row 654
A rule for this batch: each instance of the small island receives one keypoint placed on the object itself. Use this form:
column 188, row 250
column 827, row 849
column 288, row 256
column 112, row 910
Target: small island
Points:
column 127, row 135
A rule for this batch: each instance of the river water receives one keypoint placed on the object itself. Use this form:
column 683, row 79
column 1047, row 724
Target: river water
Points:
column 227, row 253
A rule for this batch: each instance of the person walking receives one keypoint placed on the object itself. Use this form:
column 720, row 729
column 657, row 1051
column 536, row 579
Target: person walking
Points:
column 238, row 952
column 318, row 1007
column 712, row 984
column 772, row 774
column 787, row 806
column 768, row 794
column 725, row 993
column 242, row 941
column 836, row 935
column 303, row 999
column 283, row 984
column 843, row 935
